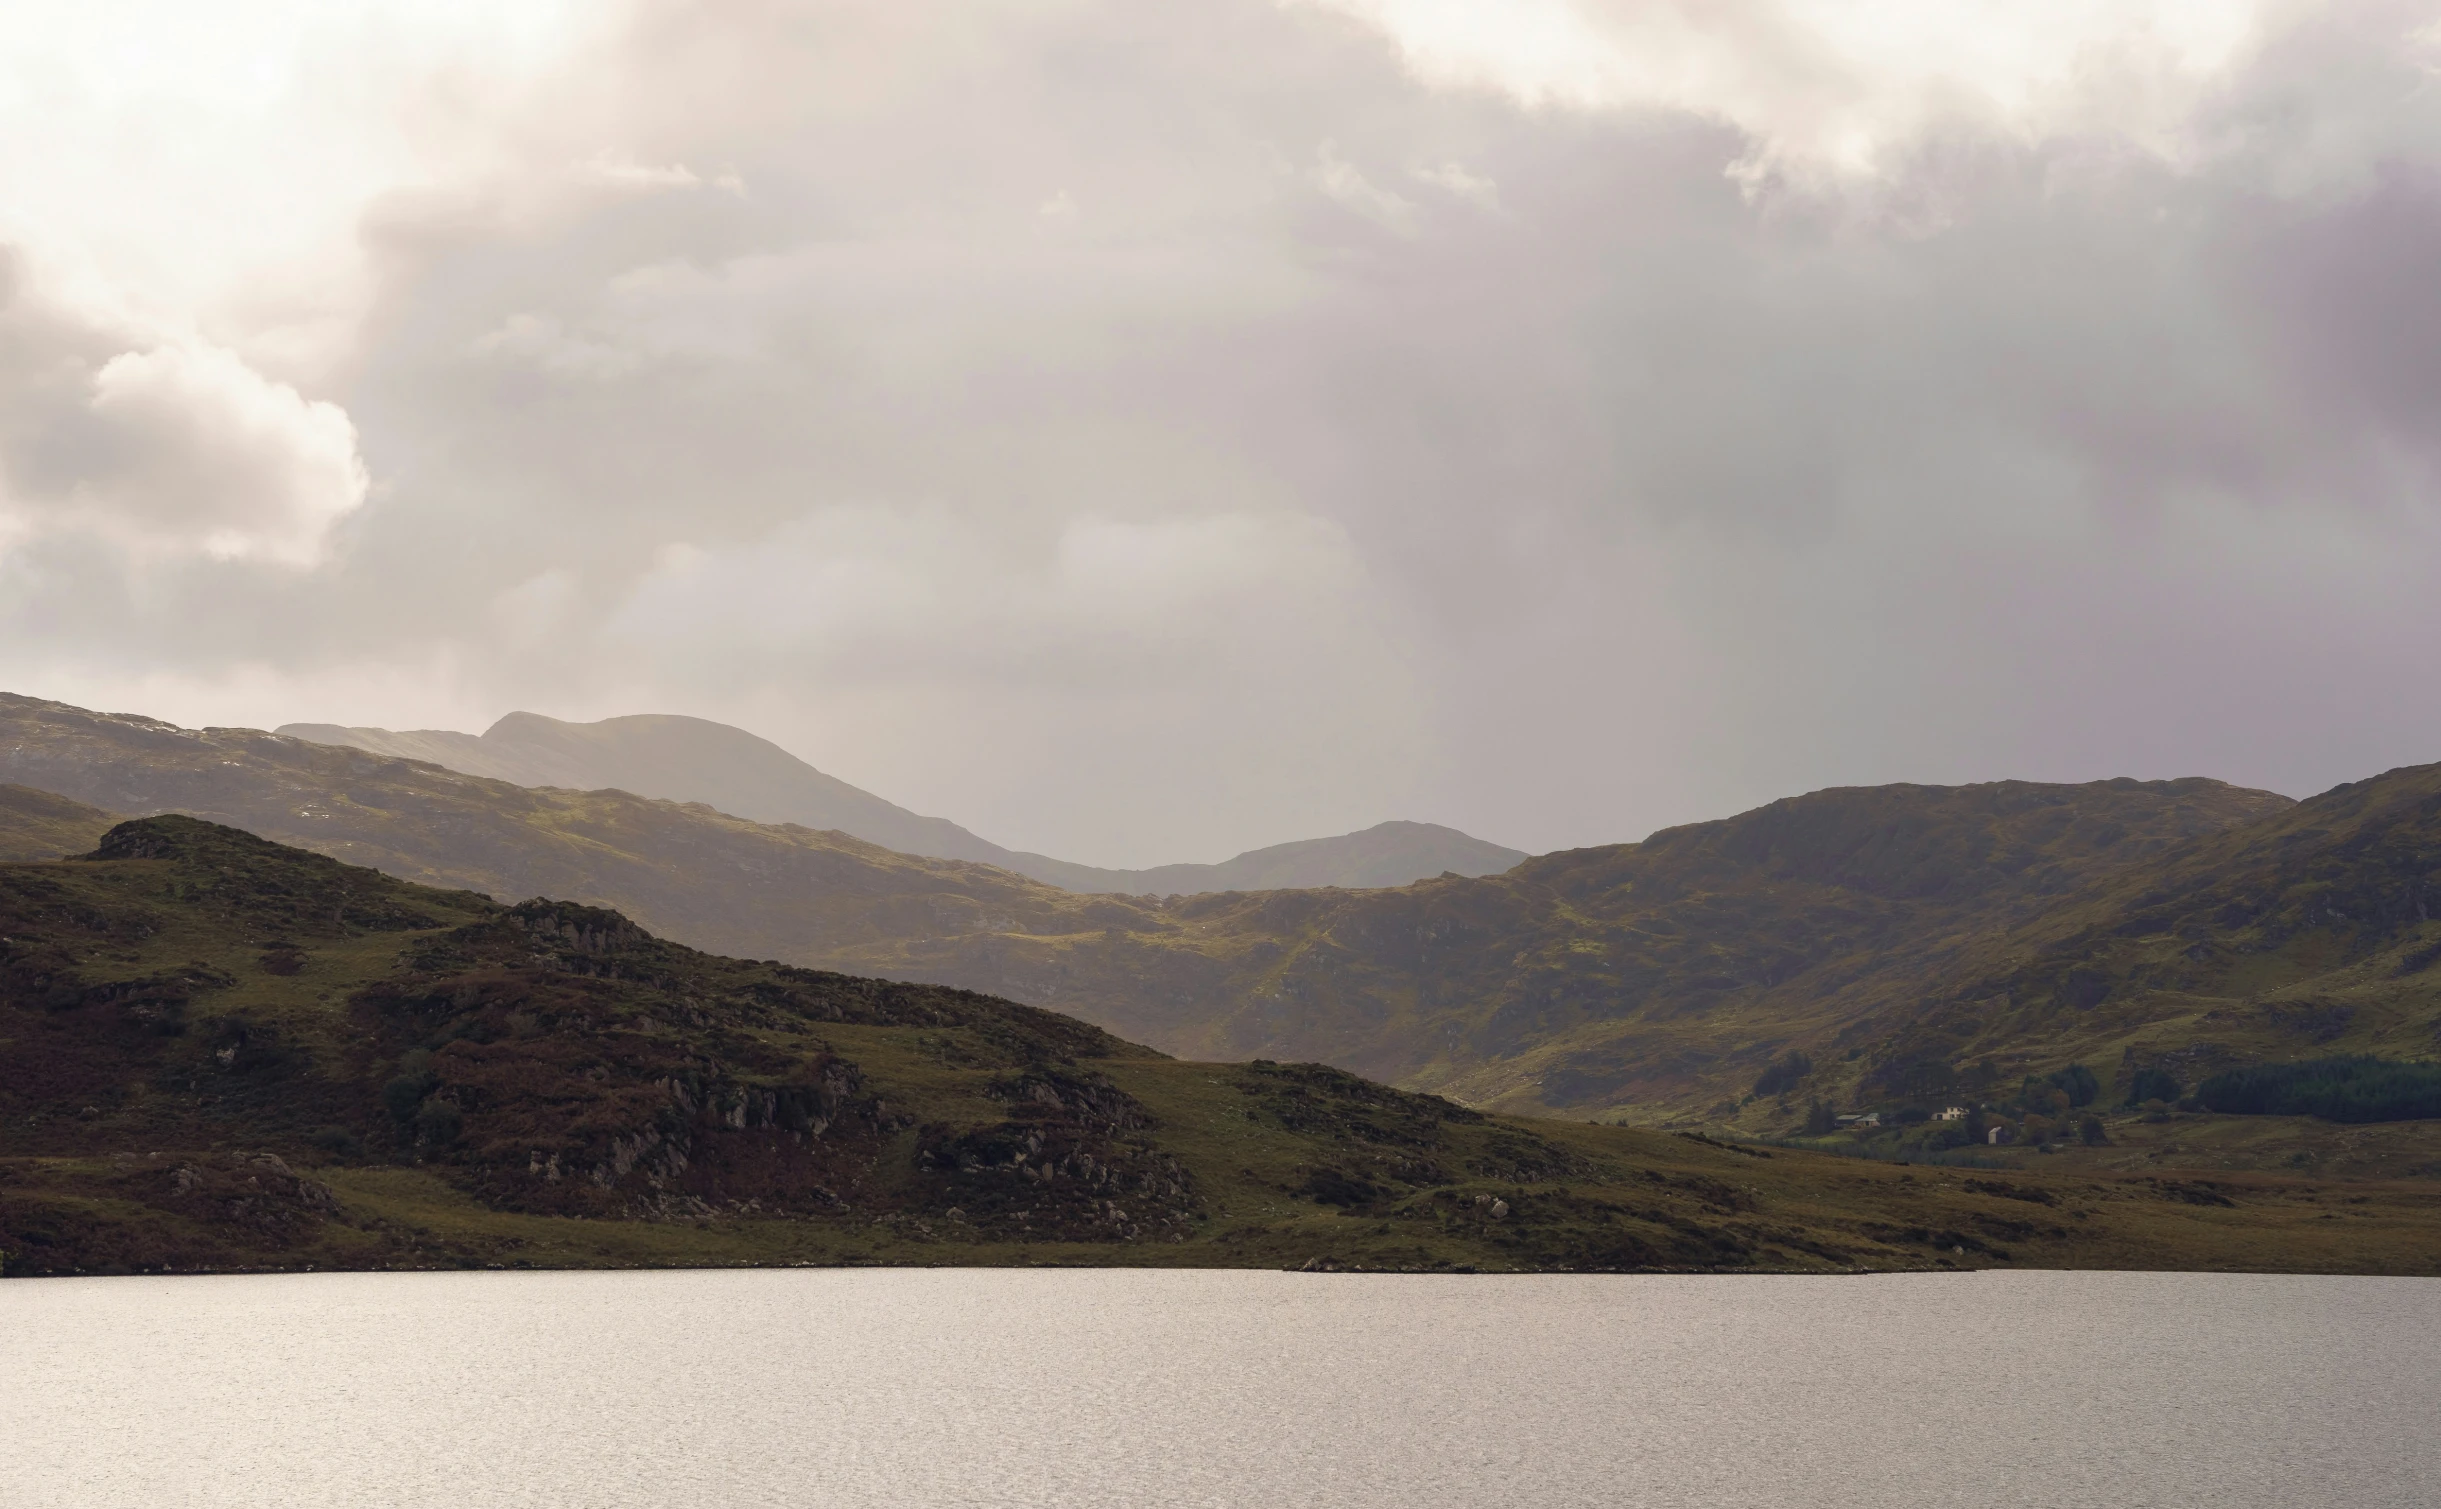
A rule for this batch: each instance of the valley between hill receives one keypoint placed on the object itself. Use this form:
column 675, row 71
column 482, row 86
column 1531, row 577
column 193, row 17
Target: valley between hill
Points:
column 226, row 1054
column 694, row 760
column 1906, row 944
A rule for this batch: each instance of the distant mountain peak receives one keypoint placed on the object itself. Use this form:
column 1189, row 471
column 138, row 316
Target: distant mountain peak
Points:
column 679, row 758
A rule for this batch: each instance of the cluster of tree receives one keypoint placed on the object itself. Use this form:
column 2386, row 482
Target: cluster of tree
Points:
column 2153, row 1084
column 1784, row 1073
column 2077, row 1083
column 2053, row 1096
column 429, row 1121
column 2044, row 1109
column 2086, row 1129
column 2355, row 1089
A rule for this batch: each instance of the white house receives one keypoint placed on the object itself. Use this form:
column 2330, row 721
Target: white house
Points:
column 1950, row 1113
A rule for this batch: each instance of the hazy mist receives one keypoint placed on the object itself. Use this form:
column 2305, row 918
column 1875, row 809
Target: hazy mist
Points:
column 1143, row 432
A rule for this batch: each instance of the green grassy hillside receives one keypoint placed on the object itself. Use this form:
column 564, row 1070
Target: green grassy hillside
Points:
column 37, row 825
column 2308, row 934
column 1650, row 981
column 683, row 870
column 669, row 757
column 1656, row 978
column 217, row 1053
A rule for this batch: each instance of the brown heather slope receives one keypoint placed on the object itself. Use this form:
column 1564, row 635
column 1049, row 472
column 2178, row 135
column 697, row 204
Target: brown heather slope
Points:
column 1656, row 978
column 219, row 1053
column 2308, row 934
column 1659, row 977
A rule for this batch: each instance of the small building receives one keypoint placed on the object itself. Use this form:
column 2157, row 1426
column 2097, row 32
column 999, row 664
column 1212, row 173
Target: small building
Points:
column 1867, row 1119
column 2001, row 1136
column 1950, row 1113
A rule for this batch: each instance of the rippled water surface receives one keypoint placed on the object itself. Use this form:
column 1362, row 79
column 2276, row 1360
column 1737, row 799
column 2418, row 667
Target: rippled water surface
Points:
column 945, row 1387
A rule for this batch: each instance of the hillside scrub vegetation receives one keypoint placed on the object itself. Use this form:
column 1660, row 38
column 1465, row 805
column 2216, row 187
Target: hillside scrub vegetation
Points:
column 2354, row 1089
column 1873, row 948
column 2153, row 1084
column 219, row 1053
column 1786, row 1073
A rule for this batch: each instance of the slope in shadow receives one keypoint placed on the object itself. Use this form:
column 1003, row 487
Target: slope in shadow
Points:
column 1898, row 936
column 223, row 1053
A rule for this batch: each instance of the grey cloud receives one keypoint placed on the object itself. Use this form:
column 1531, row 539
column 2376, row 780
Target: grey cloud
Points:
column 1605, row 493
column 160, row 445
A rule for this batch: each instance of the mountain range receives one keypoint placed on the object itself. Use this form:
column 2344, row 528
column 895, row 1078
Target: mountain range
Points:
column 695, row 760
column 223, row 1053
column 1861, row 946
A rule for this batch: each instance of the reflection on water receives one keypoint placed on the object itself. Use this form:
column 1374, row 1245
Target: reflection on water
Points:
column 946, row 1387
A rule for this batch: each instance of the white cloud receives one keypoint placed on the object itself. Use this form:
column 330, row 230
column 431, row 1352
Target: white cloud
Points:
column 1453, row 179
column 615, row 171
column 1047, row 436
column 864, row 590
column 1344, row 183
column 536, row 609
column 207, row 454
column 1842, row 89
column 209, row 169
column 539, row 340
column 163, row 447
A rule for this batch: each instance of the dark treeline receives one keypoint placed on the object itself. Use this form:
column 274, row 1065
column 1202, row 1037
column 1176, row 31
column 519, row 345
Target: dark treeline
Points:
column 2335, row 1089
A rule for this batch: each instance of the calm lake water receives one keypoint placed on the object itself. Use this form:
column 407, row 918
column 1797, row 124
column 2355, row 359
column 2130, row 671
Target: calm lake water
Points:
column 949, row 1387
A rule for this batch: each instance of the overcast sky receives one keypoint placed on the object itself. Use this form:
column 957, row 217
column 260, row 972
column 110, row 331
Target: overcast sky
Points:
column 1144, row 431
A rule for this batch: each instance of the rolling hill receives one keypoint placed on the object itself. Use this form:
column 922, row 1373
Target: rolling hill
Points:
column 1909, row 945
column 694, row 760
column 685, row 870
column 1659, row 977
column 37, row 825
column 2308, row 933
column 674, row 758
column 221, row 1053
column 1908, row 941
